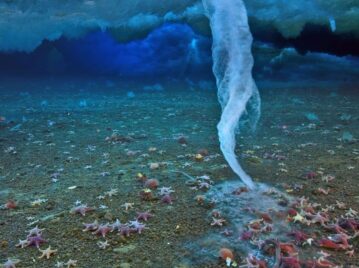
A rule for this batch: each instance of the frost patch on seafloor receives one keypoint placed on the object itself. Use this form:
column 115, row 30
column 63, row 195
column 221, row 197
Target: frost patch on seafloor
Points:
column 239, row 210
column 232, row 67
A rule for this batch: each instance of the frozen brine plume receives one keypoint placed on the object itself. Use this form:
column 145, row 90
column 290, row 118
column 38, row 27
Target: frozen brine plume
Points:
column 232, row 67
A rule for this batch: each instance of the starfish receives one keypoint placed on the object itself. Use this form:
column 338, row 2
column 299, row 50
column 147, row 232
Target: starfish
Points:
column 71, row 263
column 116, row 225
column 324, row 254
column 351, row 213
column 36, row 240
column 165, row 190
column 309, row 242
column 298, row 217
column 350, row 253
column 335, row 227
column 292, row 262
column 227, row 232
column 103, row 245
column 47, row 252
column 38, row 202
column 81, row 209
column 22, row 243
column 253, row 262
column 144, row 216
column 11, row 263
column 340, row 205
column 59, row 264
column 167, row 199
column 205, row 185
column 322, row 262
column 91, row 226
column 137, row 226
column 125, row 230
column 127, row 206
column 341, row 239
column 299, row 237
column 218, row 222
column 322, row 191
column 246, row 235
column 35, row 231
column 111, row 193
column 318, row 218
column 328, row 178
column 103, row 229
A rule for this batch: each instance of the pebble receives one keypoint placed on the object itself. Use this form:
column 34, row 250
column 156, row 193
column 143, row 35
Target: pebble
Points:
column 125, row 265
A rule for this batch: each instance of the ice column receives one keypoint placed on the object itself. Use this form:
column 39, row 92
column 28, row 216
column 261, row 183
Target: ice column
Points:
column 232, row 67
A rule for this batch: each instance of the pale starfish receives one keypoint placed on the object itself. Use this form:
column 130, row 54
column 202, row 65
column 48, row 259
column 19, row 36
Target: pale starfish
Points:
column 22, row 243
column 10, row 263
column 350, row 253
column 165, row 190
column 38, row 202
column 298, row 217
column 324, row 254
column 340, row 205
column 35, row 231
column 59, row 264
column 328, row 178
column 71, row 263
column 127, row 206
column 111, row 193
column 47, row 252
column 116, row 225
column 103, row 245
column 218, row 222
column 309, row 241
column 319, row 218
column 351, row 213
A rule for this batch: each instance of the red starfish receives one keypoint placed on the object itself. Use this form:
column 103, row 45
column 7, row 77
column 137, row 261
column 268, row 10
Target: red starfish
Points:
column 246, row 235
column 143, row 216
column 103, row 229
column 329, row 244
column 266, row 217
column 287, row 248
column 335, row 227
column 290, row 262
column 299, row 237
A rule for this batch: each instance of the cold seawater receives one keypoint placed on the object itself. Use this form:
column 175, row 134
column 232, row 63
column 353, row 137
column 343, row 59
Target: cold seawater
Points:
column 98, row 142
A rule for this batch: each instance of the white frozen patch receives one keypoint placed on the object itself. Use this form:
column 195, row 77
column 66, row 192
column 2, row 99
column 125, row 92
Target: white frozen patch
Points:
column 238, row 211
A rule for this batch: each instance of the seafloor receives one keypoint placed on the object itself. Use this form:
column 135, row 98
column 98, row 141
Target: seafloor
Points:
column 74, row 140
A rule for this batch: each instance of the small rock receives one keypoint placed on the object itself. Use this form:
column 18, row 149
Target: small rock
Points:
column 108, row 216
column 182, row 140
column 347, row 137
column 4, row 244
column 154, row 166
column 125, row 265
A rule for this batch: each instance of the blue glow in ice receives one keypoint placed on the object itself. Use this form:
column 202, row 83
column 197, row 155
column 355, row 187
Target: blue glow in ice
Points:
column 170, row 49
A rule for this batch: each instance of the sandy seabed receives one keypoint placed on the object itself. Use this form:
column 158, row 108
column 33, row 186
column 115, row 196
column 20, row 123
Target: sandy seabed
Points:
column 75, row 141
